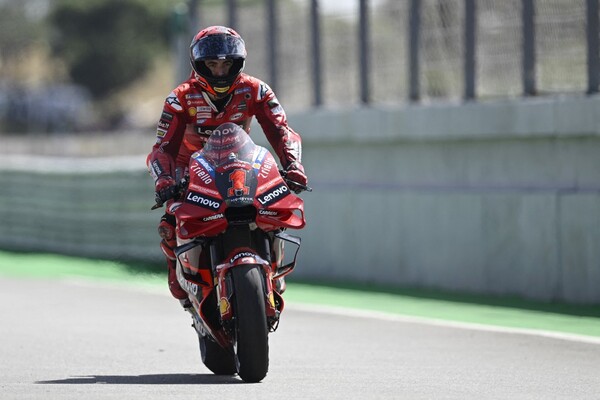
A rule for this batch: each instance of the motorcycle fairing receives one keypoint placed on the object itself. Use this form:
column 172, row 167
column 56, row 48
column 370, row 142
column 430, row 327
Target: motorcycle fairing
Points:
column 237, row 182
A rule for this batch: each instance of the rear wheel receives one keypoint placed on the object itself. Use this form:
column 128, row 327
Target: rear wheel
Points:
column 250, row 323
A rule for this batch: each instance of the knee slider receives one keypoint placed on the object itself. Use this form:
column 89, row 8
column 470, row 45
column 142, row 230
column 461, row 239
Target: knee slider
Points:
column 166, row 229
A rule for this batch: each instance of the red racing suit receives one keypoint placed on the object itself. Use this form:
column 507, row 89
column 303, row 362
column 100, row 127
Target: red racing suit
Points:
column 189, row 116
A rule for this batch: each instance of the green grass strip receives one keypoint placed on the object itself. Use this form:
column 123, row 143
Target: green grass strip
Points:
column 506, row 312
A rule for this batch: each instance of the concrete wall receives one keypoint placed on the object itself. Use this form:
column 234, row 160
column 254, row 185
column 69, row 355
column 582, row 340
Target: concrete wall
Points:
column 500, row 198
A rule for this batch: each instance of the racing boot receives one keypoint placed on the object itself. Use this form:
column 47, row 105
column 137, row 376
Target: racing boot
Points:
column 166, row 230
column 174, row 286
column 176, row 289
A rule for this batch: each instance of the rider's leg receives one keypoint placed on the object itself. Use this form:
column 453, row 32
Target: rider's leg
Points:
column 166, row 230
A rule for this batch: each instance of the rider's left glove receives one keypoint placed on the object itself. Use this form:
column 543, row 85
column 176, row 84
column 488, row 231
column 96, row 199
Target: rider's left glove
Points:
column 165, row 189
column 295, row 177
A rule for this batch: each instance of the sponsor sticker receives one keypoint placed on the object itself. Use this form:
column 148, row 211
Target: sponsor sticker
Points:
column 236, row 116
column 163, row 125
column 204, row 189
column 274, row 195
column 202, row 200
column 268, row 213
column 213, row 217
column 277, row 110
column 260, row 156
column 205, row 176
column 224, row 306
column 242, row 90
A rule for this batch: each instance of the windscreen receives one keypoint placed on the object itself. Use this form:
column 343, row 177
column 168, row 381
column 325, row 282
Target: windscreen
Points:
column 228, row 142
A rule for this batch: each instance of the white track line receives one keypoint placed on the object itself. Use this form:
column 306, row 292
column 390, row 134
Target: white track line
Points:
column 359, row 313
column 348, row 312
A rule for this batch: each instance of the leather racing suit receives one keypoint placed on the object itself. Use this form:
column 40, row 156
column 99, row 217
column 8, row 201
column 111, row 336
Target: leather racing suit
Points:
column 188, row 118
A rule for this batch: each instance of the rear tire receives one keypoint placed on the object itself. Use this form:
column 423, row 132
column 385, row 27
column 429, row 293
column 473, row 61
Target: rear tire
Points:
column 252, row 333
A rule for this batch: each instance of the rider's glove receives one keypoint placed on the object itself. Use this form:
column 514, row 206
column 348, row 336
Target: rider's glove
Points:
column 165, row 189
column 295, row 177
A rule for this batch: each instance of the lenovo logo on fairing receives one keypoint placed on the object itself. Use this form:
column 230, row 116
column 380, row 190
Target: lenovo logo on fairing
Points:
column 202, row 201
column 274, row 195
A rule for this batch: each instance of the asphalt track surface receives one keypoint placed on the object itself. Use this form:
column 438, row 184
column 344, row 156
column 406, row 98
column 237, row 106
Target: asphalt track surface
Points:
column 83, row 339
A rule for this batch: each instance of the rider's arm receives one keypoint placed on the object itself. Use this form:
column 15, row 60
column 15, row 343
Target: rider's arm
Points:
column 169, row 134
column 273, row 121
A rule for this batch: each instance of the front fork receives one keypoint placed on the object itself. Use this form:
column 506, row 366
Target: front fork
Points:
column 271, row 270
column 224, row 288
column 238, row 251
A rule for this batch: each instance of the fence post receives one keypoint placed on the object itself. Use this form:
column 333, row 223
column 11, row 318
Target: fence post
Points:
column 470, row 50
column 414, row 27
column 364, row 51
column 232, row 14
column 593, row 64
column 194, row 19
column 272, row 33
column 529, row 86
column 315, row 56
column 180, row 42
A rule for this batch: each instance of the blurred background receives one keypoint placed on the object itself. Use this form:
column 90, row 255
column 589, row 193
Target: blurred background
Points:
column 71, row 66
column 462, row 134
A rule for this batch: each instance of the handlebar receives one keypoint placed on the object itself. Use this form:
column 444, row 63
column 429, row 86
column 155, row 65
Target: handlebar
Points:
column 180, row 187
column 183, row 183
column 301, row 187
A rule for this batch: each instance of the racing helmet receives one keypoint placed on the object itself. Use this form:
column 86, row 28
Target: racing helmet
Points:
column 217, row 43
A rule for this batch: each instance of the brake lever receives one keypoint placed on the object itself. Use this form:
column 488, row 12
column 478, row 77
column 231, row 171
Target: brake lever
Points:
column 180, row 188
column 299, row 185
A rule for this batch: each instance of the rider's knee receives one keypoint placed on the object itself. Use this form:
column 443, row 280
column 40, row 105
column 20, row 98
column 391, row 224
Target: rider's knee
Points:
column 166, row 227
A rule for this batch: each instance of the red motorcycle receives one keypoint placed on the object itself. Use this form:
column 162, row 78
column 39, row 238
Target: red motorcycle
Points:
column 232, row 214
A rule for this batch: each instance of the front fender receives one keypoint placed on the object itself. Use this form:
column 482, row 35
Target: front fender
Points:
column 238, row 257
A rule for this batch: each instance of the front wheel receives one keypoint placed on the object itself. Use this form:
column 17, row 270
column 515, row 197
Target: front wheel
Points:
column 250, row 322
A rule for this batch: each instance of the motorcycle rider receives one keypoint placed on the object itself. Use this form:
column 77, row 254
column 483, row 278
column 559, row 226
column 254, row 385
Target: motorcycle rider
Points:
column 217, row 91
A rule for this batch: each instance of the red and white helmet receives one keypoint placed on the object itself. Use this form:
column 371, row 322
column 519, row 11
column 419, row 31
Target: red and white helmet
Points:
column 217, row 43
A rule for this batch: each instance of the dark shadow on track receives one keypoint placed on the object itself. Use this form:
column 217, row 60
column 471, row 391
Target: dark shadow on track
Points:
column 158, row 379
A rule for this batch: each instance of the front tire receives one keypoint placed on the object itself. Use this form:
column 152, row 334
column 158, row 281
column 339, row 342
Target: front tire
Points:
column 252, row 333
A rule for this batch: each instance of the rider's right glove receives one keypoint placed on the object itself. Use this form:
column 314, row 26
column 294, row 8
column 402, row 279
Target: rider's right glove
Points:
column 165, row 188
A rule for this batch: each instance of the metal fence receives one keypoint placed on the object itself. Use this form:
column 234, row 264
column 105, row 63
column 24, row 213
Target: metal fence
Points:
column 389, row 51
